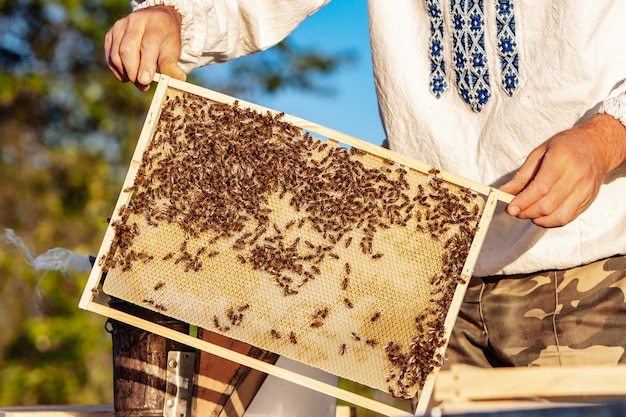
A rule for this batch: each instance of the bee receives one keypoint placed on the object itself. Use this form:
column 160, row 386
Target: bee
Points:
column 342, row 349
column 376, row 316
column 321, row 313
column 292, row 338
column 275, row 334
column 371, row 342
column 240, row 245
column 159, row 285
column 348, row 303
column 356, row 337
column 316, row 324
column 377, row 255
column 348, row 268
column 344, row 283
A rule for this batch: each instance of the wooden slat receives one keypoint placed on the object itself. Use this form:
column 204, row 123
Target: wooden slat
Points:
column 459, row 294
column 154, row 113
column 475, row 384
column 58, row 411
column 521, row 407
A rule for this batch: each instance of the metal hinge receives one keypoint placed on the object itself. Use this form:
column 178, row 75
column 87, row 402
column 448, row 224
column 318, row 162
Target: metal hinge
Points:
column 179, row 384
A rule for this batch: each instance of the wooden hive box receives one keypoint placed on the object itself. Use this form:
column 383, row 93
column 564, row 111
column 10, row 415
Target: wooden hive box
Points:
column 294, row 238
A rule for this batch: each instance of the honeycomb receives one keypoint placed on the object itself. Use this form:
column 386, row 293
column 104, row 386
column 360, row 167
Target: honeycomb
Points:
column 244, row 224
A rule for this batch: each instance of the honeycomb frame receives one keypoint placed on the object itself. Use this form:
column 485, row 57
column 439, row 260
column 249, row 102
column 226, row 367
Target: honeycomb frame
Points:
column 323, row 272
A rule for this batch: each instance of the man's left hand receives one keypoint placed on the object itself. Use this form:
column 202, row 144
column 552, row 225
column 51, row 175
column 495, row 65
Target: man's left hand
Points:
column 561, row 178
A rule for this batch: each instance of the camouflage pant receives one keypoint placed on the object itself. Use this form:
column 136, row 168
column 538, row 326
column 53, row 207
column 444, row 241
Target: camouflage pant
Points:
column 553, row 318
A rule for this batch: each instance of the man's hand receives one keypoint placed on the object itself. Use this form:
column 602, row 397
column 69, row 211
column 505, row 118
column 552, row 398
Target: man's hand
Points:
column 561, row 178
column 142, row 41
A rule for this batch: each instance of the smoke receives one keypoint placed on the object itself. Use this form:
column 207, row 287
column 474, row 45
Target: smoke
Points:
column 55, row 259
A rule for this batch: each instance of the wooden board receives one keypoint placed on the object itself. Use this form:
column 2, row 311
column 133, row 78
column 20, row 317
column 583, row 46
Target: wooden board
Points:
column 465, row 389
column 419, row 295
column 58, row 411
column 478, row 384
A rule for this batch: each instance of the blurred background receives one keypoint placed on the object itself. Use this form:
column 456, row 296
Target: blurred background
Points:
column 67, row 132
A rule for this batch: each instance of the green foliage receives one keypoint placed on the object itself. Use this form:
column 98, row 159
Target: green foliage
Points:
column 67, row 131
column 286, row 66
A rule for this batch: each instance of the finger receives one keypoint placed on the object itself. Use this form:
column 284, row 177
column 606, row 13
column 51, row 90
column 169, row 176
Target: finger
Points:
column 539, row 197
column 130, row 46
column 524, row 184
column 173, row 70
column 151, row 44
column 525, row 173
column 568, row 207
column 541, row 200
column 572, row 193
column 577, row 196
column 169, row 56
column 111, row 50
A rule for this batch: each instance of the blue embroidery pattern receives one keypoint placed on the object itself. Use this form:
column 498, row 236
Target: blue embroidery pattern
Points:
column 470, row 60
column 438, row 82
column 468, row 49
column 507, row 45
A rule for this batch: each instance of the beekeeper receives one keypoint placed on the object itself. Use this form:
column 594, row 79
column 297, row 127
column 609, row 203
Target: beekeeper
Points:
column 522, row 95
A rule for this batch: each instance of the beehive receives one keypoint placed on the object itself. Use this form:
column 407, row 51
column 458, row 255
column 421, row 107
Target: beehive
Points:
column 240, row 221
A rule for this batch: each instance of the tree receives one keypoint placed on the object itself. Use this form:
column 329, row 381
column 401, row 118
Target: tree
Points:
column 67, row 130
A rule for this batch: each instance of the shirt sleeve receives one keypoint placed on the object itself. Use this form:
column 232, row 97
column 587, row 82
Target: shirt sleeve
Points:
column 615, row 104
column 217, row 31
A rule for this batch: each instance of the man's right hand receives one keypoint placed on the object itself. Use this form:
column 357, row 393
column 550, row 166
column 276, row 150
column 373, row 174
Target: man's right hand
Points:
column 142, row 41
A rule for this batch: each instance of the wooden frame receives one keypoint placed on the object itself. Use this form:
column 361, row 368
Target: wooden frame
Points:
column 58, row 411
column 89, row 303
column 466, row 389
column 466, row 383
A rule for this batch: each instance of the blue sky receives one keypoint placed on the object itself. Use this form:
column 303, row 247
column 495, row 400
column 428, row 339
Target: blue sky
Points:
column 352, row 108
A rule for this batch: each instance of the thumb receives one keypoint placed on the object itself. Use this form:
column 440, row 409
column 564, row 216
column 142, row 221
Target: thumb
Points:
column 526, row 173
column 513, row 186
column 171, row 68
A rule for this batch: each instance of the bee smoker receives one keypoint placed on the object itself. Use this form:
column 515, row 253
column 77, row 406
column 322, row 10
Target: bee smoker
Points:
column 140, row 362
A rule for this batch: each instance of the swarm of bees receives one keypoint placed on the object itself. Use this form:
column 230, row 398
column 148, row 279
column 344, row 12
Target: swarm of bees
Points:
column 211, row 170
